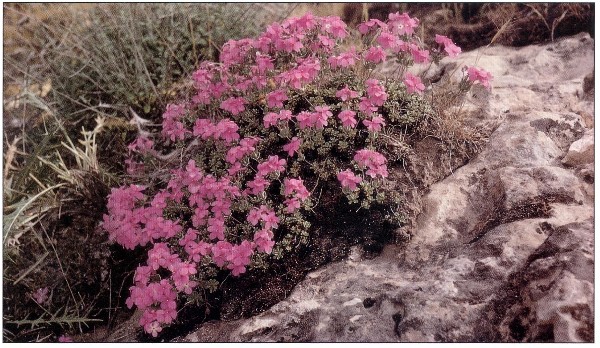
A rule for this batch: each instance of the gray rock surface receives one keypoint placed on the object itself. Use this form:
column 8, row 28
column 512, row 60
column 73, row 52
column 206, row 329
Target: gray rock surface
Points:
column 503, row 250
column 581, row 151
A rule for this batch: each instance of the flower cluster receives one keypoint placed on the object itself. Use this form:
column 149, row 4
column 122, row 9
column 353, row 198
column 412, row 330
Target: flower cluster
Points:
column 40, row 295
column 248, row 129
column 479, row 75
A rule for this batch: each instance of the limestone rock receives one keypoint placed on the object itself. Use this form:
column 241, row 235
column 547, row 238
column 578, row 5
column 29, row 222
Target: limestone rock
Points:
column 581, row 151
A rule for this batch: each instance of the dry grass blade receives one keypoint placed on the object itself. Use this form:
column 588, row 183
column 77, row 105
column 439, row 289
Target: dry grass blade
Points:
column 9, row 158
column 30, row 269
column 500, row 31
column 13, row 219
column 555, row 23
column 535, row 10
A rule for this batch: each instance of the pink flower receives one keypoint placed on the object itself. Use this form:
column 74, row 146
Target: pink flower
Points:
column 263, row 44
column 306, row 22
column 254, row 216
column 304, row 119
column 291, row 204
column 41, row 295
column 363, row 28
column 285, row 115
column 176, row 132
column 263, row 63
column 191, row 177
column 413, row 83
column 400, row 46
column 344, row 60
column 243, row 85
column 217, row 89
column 334, row 26
column 153, row 328
column 452, row 50
column 346, row 94
column 276, row 98
column 378, row 170
column 348, row 179
column 293, row 146
column 295, row 187
column 321, row 115
column 204, row 128
column 347, row 118
column 376, row 92
column 375, row 55
column 373, row 160
column 201, row 211
column 235, row 154
column 220, row 252
column 142, row 275
column 234, row 105
column 221, row 207
column 324, row 43
column 270, row 219
column 197, row 250
column 290, row 44
column 202, row 76
column 449, row 46
column 366, row 106
column 239, row 257
column 419, row 56
column 158, row 227
column 375, row 124
column 202, row 97
column 123, row 221
column 272, row 164
column 172, row 126
column 386, row 40
column 248, row 143
column 159, row 200
column 181, row 273
column 141, row 144
column 160, row 256
column 226, row 130
column 270, row 119
column 234, row 169
column 234, row 51
column 479, row 75
column 304, row 73
column 263, row 240
column 258, row 185
column 67, row 339
column 402, row 24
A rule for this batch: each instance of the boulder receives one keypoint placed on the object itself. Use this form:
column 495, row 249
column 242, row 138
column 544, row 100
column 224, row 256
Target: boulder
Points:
column 581, row 151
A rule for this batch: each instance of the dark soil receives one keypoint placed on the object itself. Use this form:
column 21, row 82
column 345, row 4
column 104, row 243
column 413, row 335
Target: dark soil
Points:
column 80, row 260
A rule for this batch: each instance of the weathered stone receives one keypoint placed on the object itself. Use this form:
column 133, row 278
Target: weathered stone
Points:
column 581, row 151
